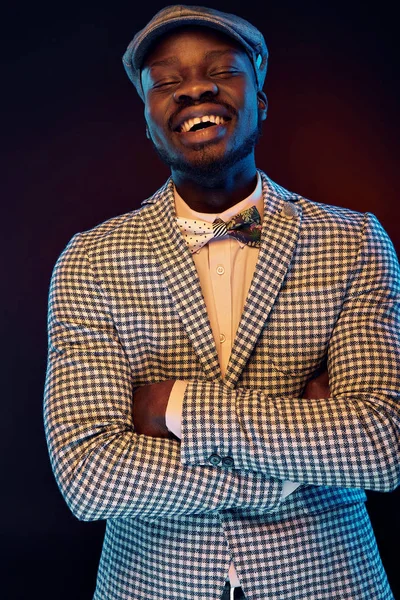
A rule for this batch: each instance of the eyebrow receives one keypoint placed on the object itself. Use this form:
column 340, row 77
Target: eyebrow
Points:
column 211, row 54
column 218, row 53
column 166, row 62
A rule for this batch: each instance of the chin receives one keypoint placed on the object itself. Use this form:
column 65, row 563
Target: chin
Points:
column 209, row 160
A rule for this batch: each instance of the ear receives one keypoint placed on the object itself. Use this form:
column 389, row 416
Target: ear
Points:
column 262, row 105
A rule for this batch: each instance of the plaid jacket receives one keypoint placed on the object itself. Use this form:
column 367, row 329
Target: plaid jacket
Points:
column 126, row 309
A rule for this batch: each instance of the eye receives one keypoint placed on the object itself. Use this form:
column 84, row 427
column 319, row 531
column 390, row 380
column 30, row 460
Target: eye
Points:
column 225, row 72
column 164, row 84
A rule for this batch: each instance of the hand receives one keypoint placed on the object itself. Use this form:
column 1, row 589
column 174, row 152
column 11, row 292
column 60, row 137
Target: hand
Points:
column 318, row 387
column 149, row 408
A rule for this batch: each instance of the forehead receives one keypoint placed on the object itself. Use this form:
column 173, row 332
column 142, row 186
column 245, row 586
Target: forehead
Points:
column 202, row 41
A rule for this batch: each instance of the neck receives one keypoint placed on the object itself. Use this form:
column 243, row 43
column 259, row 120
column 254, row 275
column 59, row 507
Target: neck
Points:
column 219, row 193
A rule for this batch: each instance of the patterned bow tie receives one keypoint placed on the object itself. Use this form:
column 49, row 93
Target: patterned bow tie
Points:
column 244, row 227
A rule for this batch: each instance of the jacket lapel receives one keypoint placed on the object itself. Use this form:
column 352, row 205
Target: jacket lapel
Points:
column 179, row 271
column 281, row 224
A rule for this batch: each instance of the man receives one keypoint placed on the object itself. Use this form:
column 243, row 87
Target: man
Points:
column 224, row 371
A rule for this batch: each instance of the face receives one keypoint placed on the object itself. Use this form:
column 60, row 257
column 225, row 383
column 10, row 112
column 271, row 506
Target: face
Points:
column 202, row 109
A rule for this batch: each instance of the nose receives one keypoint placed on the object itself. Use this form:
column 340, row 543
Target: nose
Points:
column 194, row 89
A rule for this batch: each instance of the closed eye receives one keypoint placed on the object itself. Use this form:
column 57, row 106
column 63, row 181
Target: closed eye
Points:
column 225, row 73
column 163, row 84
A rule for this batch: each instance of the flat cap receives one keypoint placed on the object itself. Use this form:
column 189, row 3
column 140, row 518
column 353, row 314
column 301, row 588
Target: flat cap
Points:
column 179, row 15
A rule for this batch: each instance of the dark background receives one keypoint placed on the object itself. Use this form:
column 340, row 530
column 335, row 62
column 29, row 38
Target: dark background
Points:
column 75, row 153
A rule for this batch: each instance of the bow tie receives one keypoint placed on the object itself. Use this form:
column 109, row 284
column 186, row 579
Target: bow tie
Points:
column 244, row 227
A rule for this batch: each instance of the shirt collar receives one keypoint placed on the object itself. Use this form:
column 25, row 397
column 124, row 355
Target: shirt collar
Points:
column 255, row 199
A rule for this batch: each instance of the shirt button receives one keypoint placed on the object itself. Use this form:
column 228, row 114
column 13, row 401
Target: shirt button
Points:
column 214, row 459
column 220, row 270
column 222, row 338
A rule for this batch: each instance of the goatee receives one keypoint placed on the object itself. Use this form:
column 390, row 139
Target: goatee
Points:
column 205, row 168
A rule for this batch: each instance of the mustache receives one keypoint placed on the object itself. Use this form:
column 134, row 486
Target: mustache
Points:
column 188, row 103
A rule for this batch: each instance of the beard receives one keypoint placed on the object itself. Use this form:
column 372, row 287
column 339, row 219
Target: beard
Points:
column 206, row 167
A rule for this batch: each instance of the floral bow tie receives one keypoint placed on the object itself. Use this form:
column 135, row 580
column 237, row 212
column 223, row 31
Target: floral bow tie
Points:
column 244, row 227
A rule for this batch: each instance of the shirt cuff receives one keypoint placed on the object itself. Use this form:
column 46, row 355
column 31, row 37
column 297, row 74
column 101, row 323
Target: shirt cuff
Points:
column 173, row 414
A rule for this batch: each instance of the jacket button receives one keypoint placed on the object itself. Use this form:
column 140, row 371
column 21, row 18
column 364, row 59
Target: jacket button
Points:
column 214, row 459
column 228, row 462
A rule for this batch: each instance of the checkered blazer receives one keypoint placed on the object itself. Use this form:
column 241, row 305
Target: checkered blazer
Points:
column 126, row 309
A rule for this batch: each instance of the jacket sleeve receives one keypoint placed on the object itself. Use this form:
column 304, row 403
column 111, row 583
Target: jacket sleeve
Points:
column 351, row 439
column 103, row 468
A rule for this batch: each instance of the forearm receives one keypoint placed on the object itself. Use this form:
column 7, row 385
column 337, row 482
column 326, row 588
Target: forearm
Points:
column 105, row 470
column 341, row 441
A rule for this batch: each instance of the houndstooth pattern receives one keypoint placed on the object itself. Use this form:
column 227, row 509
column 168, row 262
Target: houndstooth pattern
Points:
column 126, row 309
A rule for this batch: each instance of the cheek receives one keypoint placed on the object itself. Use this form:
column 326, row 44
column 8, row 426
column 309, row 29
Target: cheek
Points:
column 247, row 107
column 249, row 119
column 155, row 124
column 154, row 131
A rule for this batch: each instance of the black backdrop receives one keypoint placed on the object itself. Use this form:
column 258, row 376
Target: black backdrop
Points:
column 74, row 153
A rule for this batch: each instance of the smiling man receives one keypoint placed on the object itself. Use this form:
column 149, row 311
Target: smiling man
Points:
column 224, row 362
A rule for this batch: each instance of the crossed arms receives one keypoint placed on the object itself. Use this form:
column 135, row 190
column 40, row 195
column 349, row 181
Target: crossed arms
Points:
column 106, row 468
column 150, row 404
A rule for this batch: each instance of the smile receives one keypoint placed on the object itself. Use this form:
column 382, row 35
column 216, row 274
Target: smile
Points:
column 201, row 123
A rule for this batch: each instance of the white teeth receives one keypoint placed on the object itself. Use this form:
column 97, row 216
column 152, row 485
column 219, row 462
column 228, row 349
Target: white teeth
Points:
column 187, row 125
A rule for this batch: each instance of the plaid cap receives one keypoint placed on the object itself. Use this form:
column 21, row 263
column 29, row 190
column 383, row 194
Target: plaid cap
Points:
column 178, row 15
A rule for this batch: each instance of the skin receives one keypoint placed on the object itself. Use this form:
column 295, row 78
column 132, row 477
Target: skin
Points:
column 194, row 72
